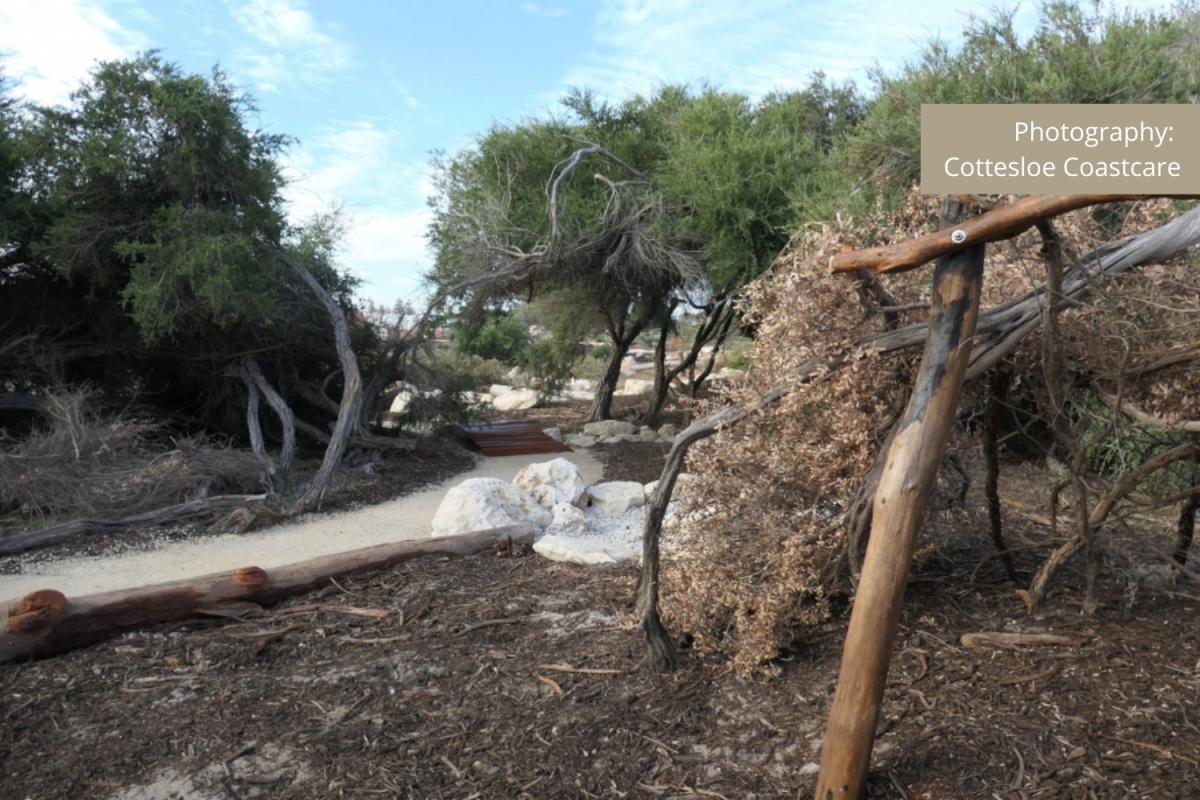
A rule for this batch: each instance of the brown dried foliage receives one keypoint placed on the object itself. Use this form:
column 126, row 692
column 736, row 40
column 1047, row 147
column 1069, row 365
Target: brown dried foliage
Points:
column 757, row 550
column 82, row 462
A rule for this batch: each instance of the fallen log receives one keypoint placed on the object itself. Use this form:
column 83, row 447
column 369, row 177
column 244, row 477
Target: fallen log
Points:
column 31, row 540
column 1000, row 223
column 46, row 622
column 1002, row 639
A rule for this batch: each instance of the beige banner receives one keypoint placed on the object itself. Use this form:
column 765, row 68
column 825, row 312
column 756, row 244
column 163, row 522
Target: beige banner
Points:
column 1060, row 149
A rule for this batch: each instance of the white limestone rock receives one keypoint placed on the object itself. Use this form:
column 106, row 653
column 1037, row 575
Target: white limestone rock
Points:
column 636, row 386
column 648, row 490
column 515, row 400
column 580, row 440
column 648, row 434
column 610, row 427
column 480, row 503
column 554, row 433
column 567, row 519
column 498, row 389
column 668, row 430
column 553, row 482
column 571, row 549
column 401, row 402
column 617, row 496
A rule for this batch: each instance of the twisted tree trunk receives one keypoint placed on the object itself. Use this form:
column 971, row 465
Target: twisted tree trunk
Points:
column 348, row 410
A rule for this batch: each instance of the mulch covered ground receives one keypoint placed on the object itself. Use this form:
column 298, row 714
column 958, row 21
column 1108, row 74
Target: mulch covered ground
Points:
column 506, row 676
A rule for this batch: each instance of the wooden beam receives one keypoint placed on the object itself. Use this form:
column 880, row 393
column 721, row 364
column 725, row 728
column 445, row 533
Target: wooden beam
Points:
column 45, row 622
column 908, row 475
column 999, row 223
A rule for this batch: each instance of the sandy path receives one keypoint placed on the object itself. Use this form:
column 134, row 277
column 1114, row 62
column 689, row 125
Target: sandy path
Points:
column 408, row 517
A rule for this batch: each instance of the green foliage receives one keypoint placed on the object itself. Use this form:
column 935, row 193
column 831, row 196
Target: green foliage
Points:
column 1075, row 56
column 734, row 168
column 159, row 192
column 502, row 337
column 138, row 224
column 602, row 351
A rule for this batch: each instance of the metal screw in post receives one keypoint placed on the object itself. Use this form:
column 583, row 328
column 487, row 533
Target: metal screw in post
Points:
column 958, row 236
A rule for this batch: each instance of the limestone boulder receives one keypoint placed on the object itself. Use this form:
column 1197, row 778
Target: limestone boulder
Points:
column 572, row 550
column 553, row 482
column 515, row 400
column 617, row 497
column 580, row 440
column 554, row 433
column 480, row 503
column 647, row 434
column 636, row 386
column 610, row 427
column 668, row 430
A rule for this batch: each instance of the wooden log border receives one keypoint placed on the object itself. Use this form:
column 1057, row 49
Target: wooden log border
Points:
column 46, row 622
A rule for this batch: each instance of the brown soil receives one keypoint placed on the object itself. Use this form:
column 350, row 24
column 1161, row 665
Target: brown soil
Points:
column 503, row 675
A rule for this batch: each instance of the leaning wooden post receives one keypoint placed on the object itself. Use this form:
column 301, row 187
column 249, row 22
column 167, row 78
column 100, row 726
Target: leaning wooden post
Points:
column 908, row 475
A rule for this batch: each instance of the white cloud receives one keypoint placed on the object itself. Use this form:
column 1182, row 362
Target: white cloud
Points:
column 49, row 46
column 358, row 166
column 297, row 47
column 538, row 10
column 759, row 45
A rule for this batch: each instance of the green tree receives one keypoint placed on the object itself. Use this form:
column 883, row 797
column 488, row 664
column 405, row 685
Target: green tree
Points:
column 733, row 170
column 1075, row 56
column 567, row 206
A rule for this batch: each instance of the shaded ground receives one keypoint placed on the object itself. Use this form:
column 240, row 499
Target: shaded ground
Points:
column 504, row 675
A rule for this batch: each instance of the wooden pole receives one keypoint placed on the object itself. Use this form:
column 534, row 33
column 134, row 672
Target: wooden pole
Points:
column 46, row 622
column 904, row 485
column 999, row 223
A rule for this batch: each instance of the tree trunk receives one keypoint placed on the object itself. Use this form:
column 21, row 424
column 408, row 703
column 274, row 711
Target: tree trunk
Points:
column 351, row 388
column 726, row 314
column 46, row 622
column 287, row 424
column 904, row 485
column 662, row 378
column 1056, row 389
column 607, row 387
column 1186, row 529
column 254, row 430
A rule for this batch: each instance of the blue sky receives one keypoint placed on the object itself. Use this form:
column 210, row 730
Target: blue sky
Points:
column 371, row 88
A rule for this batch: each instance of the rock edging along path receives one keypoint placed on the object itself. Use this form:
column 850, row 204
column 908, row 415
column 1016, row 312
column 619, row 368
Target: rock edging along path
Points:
column 405, row 518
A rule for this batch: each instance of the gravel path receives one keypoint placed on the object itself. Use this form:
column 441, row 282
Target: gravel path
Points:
column 314, row 535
